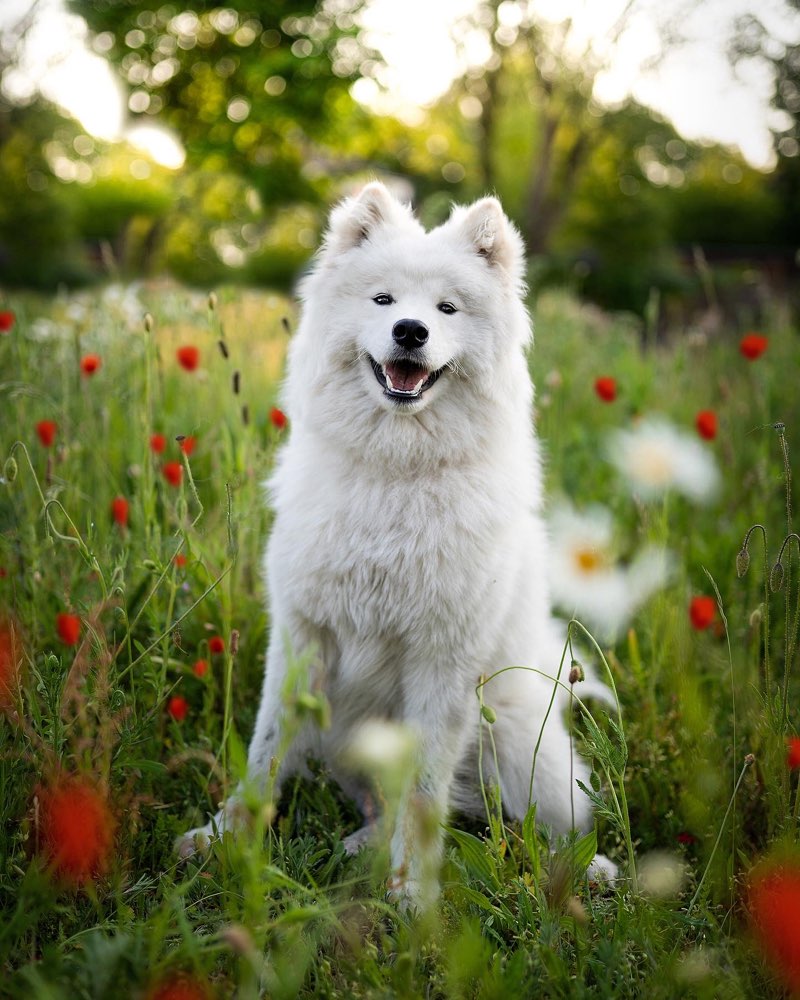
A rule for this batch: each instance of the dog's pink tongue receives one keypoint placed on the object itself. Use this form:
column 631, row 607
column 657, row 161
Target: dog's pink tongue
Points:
column 404, row 375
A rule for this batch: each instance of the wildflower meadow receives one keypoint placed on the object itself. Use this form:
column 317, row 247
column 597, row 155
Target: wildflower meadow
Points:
column 138, row 426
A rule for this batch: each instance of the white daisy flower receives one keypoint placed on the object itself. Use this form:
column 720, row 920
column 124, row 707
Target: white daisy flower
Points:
column 586, row 579
column 656, row 457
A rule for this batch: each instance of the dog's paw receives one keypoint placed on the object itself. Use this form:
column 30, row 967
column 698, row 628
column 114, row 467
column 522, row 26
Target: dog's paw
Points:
column 412, row 896
column 353, row 842
column 197, row 841
column 602, row 870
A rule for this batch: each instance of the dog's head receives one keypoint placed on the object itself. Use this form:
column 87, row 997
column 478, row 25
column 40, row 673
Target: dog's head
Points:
column 408, row 320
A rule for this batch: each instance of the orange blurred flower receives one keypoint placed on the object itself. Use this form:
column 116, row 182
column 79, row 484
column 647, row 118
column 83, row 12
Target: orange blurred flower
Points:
column 119, row 511
column 68, row 628
column 753, row 345
column 606, row 388
column 188, row 357
column 90, row 363
column 774, row 902
column 706, row 424
column 178, row 707
column 173, row 473
column 77, row 829
column 179, row 987
column 702, row 612
column 46, row 429
column 9, row 664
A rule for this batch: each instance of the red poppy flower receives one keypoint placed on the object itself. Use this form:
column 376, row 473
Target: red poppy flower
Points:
column 188, row 357
column 187, row 445
column 46, row 429
column 216, row 644
column 178, row 707
column 7, row 319
column 119, row 511
column 684, row 837
column 702, row 611
column 606, row 388
column 157, row 443
column 753, row 345
column 277, row 418
column 90, row 363
column 774, row 900
column 200, row 668
column 173, row 473
column 76, row 828
column 9, row 664
column 68, row 628
column 706, row 424
column 180, row 560
column 793, row 754
column 182, row 987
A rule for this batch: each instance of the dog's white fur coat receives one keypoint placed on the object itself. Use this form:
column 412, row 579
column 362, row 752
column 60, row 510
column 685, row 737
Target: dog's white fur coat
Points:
column 408, row 545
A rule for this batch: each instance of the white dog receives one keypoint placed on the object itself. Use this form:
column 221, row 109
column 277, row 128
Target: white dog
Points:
column 408, row 546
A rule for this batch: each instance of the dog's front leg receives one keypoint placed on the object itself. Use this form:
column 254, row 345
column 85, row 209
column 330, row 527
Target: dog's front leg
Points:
column 262, row 764
column 434, row 710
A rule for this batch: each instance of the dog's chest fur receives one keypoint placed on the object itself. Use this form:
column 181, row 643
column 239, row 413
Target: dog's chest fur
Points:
column 430, row 556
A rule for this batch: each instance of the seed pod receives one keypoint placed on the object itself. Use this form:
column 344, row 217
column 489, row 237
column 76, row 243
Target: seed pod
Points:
column 10, row 469
column 148, row 322
column 212, row 301
column 576, row 673
column 237, row 378
column 755, row 617
column 223, row 349
column 776, row 578
column 742, row 562
column 489, row 714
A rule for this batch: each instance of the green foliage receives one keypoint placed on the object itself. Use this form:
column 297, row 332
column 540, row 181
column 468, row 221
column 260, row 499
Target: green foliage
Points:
column 39, row 243
column 256, row 88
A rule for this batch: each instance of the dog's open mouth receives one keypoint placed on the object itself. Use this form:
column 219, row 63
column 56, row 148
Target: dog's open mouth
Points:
column 403, row 379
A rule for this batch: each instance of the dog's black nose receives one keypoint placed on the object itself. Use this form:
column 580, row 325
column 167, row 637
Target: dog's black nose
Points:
column 410, row 333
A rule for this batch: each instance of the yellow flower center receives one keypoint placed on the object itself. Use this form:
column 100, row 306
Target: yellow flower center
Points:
column 588, row 560
column 653, row 466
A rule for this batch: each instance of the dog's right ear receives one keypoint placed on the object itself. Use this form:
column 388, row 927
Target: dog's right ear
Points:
column 354, row 220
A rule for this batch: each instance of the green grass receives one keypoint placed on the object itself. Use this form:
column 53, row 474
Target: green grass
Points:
column 283, row 912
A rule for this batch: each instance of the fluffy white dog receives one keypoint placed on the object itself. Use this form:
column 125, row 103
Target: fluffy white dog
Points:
column 408, row 547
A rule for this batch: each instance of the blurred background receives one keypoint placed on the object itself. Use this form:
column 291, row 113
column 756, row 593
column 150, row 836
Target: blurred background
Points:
column 648, row 150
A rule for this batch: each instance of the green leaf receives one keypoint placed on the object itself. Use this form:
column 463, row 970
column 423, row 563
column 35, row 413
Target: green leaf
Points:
column 476, row 857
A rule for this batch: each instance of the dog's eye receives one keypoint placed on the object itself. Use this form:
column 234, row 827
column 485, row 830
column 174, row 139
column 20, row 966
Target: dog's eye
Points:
column 447, row 308
column 384, row 299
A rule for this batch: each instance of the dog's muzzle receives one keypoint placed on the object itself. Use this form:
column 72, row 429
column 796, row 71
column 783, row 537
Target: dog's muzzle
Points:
column 402, row 379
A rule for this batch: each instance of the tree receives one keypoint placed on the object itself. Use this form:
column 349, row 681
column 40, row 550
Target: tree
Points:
column 256, row 88
column 753, row 39
column 537, row 63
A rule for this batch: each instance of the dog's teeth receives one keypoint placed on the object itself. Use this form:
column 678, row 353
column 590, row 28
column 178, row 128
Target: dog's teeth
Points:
column 386, row 376
column 417, row 387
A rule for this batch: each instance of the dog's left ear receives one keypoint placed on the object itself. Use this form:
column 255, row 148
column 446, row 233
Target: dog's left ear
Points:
column 491, row 235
